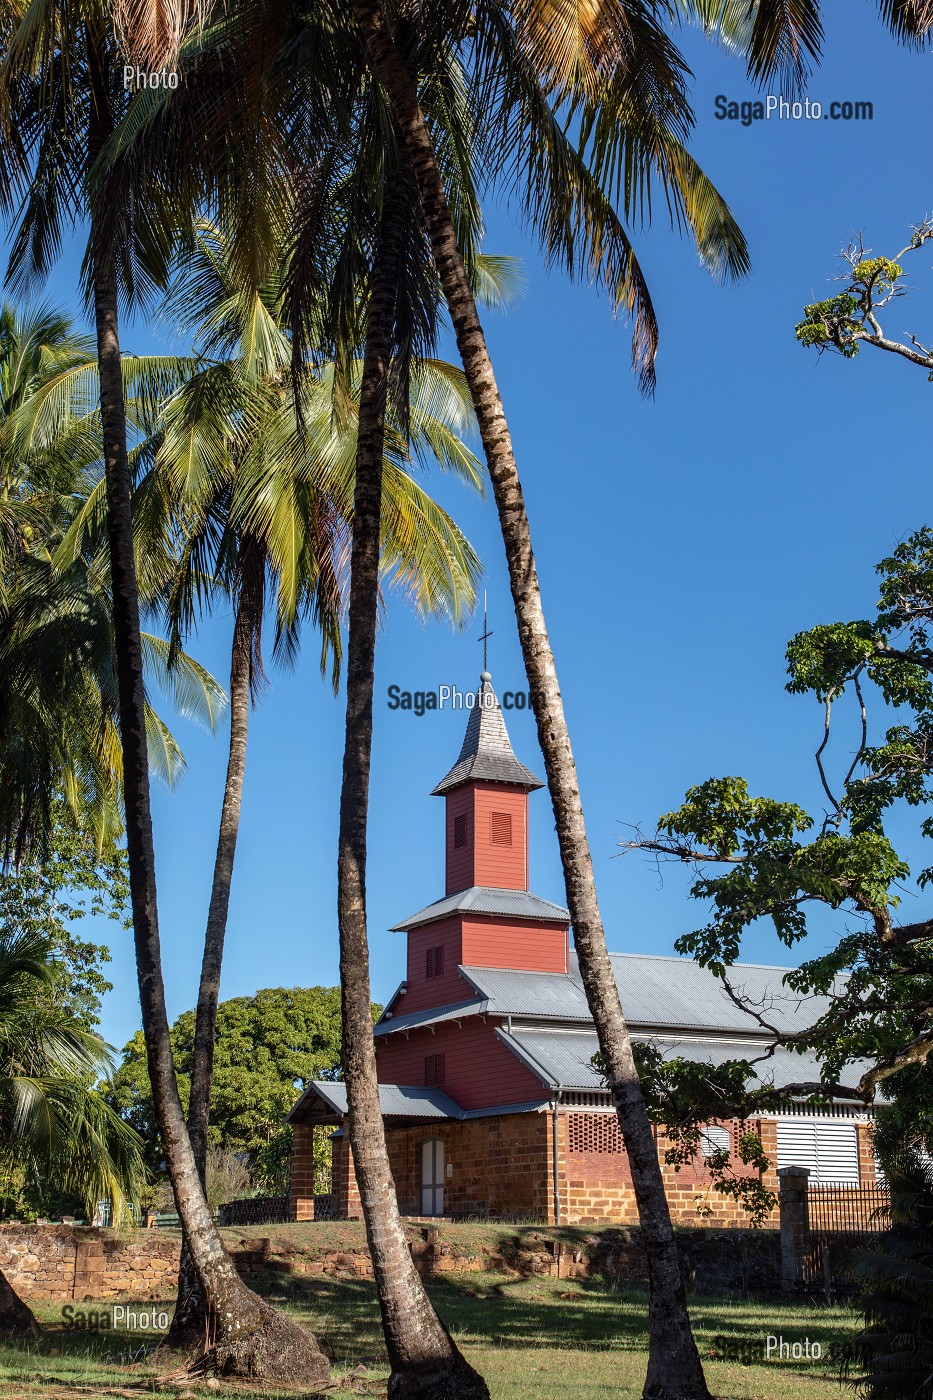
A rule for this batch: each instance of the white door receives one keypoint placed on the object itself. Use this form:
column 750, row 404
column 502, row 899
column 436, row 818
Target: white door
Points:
column 432, row 1177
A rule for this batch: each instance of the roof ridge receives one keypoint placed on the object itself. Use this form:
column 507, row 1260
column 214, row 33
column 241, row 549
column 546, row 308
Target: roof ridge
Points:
column 680, row 958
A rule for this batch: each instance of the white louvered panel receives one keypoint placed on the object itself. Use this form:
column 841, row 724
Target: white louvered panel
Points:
column 715, row 1138
column 828, row 1150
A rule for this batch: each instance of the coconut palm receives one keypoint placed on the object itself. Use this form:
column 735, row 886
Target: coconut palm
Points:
column 264, row 487
column 341, row 239
column 61, row 95
column 57, row 687
column 608, row 73
column 53, row 1124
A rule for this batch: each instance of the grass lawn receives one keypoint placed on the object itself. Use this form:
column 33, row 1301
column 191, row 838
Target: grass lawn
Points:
column 536, row 1337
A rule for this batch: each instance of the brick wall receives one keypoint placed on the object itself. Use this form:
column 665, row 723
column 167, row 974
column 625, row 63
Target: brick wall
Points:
column 502, row 1167
column 497, row 1166
column 301, row 1188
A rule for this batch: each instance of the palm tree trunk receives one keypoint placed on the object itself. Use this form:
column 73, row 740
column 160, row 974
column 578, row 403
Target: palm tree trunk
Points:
column 249, row 1336
column 424, row 1359
column 674, row 1369
column 16, row 1318
column 190, row 1320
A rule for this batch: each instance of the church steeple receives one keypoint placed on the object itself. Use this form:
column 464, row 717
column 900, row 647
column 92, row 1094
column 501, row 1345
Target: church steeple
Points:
column 488, row 916
column 486, row 753
column 486, row 795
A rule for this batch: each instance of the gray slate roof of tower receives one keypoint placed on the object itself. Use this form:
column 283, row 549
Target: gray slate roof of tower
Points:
column 486, row 755
column 484, row 899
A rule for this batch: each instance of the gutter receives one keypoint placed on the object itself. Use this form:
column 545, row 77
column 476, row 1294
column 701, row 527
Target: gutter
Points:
column 556, row 1174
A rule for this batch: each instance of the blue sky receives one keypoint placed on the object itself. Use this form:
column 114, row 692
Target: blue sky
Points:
column 680, row 543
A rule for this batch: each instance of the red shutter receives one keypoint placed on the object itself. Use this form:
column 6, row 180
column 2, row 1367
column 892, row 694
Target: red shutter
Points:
column 429, row 1069
column 440, row 1071
column 500, row 828
column 460, row 831
column 439, row 961
column 429, row 963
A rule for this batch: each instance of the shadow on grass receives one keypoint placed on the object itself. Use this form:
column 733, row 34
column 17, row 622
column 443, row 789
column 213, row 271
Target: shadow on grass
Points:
column 575, row 1315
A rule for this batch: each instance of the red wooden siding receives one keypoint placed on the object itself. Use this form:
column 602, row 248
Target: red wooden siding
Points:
column 424, row 991
column 459, row 860
column 492, row 810
column 504, row 867
column 478, row 1069
column 518, row 943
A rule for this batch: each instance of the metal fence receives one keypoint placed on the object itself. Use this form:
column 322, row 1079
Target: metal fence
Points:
column 272, row 1210
column 841, row 1219
column 256, row 1210
column 860, row 1210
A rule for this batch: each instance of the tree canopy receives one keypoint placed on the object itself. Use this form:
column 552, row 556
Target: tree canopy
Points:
column 759, row 858
column 47, row 897
column 269, row 1047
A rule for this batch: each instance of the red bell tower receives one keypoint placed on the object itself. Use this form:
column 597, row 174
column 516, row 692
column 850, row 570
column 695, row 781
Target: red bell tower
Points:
column 488, row 917
column 486, row 796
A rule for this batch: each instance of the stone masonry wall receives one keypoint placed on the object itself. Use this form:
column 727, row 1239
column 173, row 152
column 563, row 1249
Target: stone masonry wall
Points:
column 68, row 1262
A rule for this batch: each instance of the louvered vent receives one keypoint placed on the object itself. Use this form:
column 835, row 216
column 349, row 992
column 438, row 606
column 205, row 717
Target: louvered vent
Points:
column 500, row 828
column 715, row 1138
column 435, row 1071
column 460, row 831
column 828, row 1150
column 593, row 1132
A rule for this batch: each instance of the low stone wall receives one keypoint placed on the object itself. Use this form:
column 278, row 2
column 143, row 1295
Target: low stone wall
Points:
column 88, row 1264
column 68, row 1263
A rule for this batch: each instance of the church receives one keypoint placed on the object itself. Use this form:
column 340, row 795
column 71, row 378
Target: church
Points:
column 491, row 1103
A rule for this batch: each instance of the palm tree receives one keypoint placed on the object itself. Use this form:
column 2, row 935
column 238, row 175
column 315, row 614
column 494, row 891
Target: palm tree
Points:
column 57, row 686
column 357, row 135
column 61, row 95
column 266, row 502
column 53, row 1124
column 612, row 72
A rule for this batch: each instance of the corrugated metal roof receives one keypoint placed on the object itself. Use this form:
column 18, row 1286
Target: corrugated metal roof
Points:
column 562, row 1059
column 486, row 753
column 395, row 1100
column 663, row 991
column 387, row 1023
column 508, row 993
column 483, row 899
column 655, row 991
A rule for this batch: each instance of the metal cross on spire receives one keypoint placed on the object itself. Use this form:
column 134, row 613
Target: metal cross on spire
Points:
column 485, row 638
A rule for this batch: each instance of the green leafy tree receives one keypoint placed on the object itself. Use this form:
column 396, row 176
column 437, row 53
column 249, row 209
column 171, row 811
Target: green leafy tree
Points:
column 843, row 323
column 759, row 858
column 46, row 897
column 268, row 1048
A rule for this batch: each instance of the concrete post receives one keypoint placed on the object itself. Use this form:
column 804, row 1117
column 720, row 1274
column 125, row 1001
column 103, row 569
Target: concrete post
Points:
column 795, row 1226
